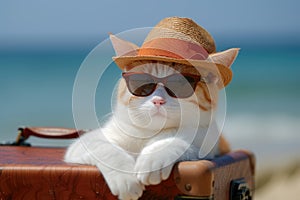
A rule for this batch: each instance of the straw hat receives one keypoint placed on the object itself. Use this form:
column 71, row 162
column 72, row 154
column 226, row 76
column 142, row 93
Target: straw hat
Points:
column 178, row 40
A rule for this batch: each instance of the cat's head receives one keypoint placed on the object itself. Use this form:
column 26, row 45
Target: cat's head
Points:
column 160, row 109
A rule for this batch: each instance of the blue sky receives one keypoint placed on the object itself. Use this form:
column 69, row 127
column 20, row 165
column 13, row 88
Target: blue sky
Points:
column 55, row 22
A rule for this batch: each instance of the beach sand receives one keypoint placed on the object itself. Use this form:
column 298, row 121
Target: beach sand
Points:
column 279, row 183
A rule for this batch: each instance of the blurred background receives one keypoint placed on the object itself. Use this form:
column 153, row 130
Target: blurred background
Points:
column 43, row 44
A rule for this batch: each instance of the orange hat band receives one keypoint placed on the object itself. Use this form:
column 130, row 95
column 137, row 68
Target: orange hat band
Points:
column 173, row 48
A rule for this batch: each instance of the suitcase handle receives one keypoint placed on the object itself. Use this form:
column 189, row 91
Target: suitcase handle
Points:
column 45, row 132
column 50, row 132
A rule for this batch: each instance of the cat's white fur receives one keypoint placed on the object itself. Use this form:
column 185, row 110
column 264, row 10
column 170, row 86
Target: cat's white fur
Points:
column 141, row 142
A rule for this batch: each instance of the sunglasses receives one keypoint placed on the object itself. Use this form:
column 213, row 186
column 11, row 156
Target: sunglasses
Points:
column 176, row 85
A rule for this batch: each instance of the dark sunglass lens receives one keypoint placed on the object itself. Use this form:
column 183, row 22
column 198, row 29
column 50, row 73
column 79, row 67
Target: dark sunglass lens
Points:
column 144, row 90
column 140, row 84
column 170, row 92
column 180, row 86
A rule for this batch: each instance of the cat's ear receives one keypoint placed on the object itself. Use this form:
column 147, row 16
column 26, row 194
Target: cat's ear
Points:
column 122, row 47
column 225, row 58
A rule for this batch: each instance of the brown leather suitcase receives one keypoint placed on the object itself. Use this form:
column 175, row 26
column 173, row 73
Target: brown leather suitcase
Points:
column 40, row 173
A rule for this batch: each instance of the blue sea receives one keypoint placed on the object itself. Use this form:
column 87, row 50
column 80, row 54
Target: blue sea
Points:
column 262, row 101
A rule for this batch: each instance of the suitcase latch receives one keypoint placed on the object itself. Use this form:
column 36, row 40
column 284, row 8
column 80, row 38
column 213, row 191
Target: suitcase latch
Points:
column 239, row 190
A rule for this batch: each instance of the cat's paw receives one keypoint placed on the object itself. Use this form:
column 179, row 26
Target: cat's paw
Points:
column 151, row 170
column 125, row 186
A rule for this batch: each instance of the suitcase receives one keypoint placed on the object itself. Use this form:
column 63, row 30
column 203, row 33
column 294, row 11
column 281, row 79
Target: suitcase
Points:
column 28, row 172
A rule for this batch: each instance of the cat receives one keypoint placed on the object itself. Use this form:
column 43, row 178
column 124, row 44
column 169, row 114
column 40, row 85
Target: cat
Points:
column 146, row 135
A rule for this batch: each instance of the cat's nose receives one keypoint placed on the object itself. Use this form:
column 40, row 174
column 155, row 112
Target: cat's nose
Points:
column 158, row 101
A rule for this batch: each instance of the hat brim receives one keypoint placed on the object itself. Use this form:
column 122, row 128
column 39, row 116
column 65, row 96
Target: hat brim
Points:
column 220, row 70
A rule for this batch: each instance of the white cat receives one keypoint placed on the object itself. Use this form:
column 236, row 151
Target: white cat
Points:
column 152, row 130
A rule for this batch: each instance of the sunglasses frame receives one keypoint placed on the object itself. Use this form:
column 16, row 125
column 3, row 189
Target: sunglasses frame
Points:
column 162, row 80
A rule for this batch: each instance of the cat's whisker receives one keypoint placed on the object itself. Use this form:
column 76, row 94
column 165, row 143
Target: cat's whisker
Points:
column 139, row 115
